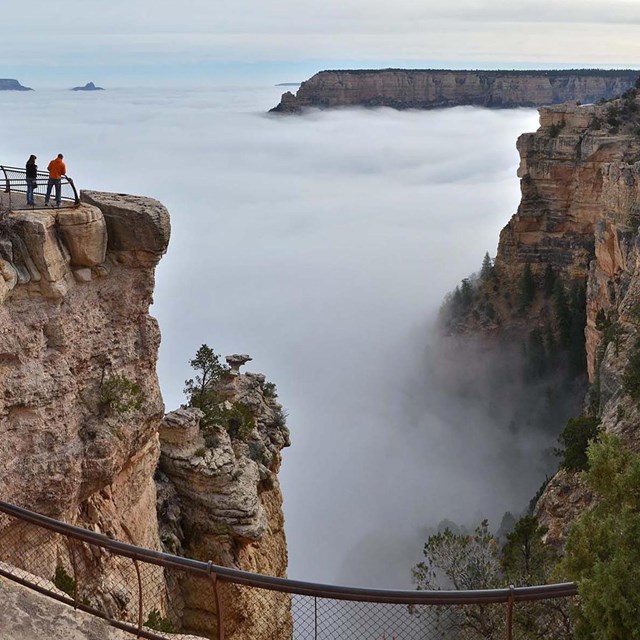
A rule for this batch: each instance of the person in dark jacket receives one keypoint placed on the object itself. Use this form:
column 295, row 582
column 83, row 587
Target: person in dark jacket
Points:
column 32, row 176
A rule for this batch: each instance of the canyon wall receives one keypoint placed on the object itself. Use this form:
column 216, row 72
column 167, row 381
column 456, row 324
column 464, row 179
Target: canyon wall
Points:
column 576, row 230
column 436, row 88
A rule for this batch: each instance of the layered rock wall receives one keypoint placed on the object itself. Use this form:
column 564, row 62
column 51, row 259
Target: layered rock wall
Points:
column 430, row 89
column 73, row 322
column 578, row 218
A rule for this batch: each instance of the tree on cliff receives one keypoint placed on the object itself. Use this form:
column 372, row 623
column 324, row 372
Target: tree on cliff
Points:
column 486, row 270
column 602, row 553
column 562, row 313
column 200, row 389
column 527, row 288
column 476, row 561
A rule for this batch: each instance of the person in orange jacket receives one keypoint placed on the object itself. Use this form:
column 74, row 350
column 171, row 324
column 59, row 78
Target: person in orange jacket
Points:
column 57, row 170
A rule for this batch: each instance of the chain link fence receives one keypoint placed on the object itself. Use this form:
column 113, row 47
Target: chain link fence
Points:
column 155, row 595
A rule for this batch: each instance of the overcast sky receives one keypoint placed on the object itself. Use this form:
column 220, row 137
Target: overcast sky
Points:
column 198, row 41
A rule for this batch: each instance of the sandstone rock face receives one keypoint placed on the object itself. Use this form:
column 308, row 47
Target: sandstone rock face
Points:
column 220, row 500
column 138, row 228
column 428, row 89
column 69, row 447
column 84, row 233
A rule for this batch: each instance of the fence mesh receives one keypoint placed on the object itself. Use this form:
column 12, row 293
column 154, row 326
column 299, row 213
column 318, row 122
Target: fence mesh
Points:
column 165, row 599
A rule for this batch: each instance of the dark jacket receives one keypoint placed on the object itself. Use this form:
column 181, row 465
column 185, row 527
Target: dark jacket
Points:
column 32, row 170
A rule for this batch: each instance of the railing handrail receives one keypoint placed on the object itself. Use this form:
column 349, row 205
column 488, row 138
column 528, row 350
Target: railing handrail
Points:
column 41, row 175
column 540, row 592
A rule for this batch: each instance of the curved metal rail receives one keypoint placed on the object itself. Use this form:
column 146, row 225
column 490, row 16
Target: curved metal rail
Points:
column 15, row 184
column 217, row 575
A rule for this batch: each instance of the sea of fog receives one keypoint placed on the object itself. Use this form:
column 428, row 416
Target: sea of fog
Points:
column 322, row 245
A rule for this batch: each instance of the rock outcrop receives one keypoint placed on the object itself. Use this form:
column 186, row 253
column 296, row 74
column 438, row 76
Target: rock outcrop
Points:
column 80, row 406
column 9, row 84
column 436, row 88
column 220, row 500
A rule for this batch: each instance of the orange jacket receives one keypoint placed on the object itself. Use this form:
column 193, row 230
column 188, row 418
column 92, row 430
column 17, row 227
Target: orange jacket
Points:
column 56, row 169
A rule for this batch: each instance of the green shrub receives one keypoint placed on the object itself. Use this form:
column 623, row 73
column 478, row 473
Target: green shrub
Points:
column 239, row 421
column 574, row 440
column 157, row 622
column 595, row 124
column 555, row 129
column 281, row 417
column 269, row 390
column 64, row 581
column 120, row 395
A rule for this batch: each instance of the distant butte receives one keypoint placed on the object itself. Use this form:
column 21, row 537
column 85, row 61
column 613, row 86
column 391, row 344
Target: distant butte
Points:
column 8, row 84
column 88, row 87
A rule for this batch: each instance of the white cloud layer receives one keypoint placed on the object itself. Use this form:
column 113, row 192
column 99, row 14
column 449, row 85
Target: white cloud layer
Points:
column 321, row 245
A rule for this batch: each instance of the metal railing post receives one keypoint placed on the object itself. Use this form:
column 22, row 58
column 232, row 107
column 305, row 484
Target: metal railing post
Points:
column 7, row 184
column 75, row 573
column 218, row 600
column 75, row 193
column 135, row 564
column 315, row 618
column 510, row 614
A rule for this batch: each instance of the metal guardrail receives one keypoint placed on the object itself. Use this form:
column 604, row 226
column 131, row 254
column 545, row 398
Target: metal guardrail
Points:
column 141, row 591
column 13, row 184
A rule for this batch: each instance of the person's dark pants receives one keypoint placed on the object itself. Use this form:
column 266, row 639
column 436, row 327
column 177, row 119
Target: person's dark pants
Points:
column 30, row 190
column 57, row 183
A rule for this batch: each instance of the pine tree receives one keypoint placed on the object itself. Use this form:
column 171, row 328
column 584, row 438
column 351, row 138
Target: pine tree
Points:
column 602, row 552
column 563, row 313
column 576, row 346
column 527, row 291
column 199, row 390
column 486, row 270
column 526, row 560
column 548, row 281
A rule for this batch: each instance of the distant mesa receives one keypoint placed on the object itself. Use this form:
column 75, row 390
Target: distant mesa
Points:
column 88, row 87
column 288, row 84
column 440, row 88
column 8, row 84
